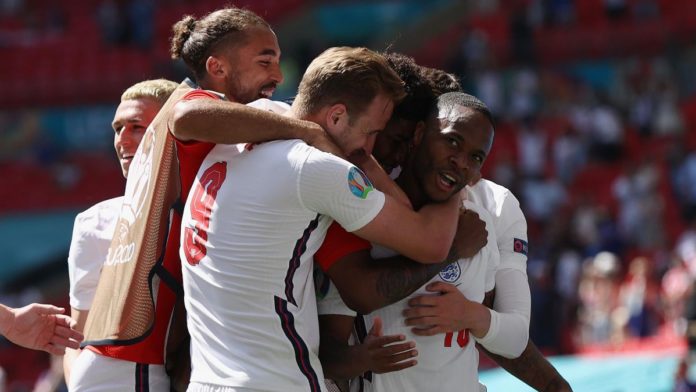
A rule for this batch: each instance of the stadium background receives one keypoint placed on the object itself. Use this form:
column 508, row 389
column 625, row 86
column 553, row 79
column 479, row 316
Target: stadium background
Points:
column 596, row 108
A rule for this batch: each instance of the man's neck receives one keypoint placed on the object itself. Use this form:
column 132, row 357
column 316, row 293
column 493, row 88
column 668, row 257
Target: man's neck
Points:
column 408, row 182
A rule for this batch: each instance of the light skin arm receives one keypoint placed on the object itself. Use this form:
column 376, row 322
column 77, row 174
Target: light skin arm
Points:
column 39, row 327
column 80, row 318
column 379, row 354
column 424, row 236
column 224, row 122
column 366, row 284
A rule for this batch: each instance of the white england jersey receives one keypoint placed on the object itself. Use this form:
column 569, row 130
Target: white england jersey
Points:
column 508, row 220
column 89, row 247
column 446, row 362
column 251, row 225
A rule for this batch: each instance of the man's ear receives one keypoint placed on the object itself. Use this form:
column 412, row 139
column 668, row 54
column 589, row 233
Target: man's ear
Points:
column 215, row 67
column 336, row 115
column 418, row 133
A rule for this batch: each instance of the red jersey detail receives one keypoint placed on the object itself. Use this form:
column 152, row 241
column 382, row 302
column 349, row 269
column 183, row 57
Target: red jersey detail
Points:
column 338, row 244
column 151, row 349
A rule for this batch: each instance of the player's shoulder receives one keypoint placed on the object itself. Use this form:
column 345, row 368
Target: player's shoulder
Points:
column 277, row 107
column 103, row 209
column 99, row 216
column 494, row 197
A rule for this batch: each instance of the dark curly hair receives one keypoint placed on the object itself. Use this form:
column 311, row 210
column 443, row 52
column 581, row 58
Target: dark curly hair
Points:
column 440, row 81
column 420, row 99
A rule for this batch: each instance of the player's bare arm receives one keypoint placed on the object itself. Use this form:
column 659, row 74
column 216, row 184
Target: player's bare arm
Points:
column 425, row 235
column 532, row 368
column 379, row 354
column 366, row 284
column 224, row 122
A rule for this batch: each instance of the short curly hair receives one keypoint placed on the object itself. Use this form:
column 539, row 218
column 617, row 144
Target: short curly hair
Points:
column 420, row 99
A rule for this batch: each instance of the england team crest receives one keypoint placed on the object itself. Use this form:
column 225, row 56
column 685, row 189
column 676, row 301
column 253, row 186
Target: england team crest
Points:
column 451, row 273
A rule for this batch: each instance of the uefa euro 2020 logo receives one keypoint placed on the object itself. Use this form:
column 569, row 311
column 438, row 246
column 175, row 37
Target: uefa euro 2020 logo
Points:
column 358, row 183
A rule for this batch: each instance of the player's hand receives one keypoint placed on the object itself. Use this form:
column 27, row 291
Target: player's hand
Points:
column 470, row 238
column 384, row 354
column 449, row 311
column 321, row 140
column 43, row 327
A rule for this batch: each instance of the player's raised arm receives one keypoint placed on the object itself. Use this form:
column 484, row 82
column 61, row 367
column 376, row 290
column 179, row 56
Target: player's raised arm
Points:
column 367, row 284
column 225, row 122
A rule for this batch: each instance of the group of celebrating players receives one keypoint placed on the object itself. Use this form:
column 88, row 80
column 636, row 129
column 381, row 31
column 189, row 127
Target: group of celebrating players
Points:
column 344, row 241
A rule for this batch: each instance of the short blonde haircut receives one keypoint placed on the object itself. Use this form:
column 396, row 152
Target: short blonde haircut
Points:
column 351, row 76
column 157, row 89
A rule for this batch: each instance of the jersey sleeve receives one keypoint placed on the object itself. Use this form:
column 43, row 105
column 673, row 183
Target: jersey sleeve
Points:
column 512, row 235
column 334, row 187
column 337, row 244
column 85, row 258
column 508, row 333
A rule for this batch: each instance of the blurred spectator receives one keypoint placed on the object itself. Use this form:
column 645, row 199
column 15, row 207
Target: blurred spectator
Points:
column 523, row 100
column 532, row 144
column 112, row 22
column 568, row 154
column 598, row 292
column 542, row 197
column 684, row 182
column 141, row 18
column 638, row 300
column 606, row 132
column 667, row 119
column 640, row 205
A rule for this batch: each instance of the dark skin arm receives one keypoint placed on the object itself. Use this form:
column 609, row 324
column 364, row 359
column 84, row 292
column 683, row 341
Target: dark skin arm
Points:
column 366, row 284
column 379, row 354
column 531, row 366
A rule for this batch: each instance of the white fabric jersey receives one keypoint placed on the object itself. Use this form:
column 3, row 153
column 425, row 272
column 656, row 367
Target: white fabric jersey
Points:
column 89, row 247
column 508, row 220
column 250, row 295
column 446, row 362
column 509, row 331
column 92, row 372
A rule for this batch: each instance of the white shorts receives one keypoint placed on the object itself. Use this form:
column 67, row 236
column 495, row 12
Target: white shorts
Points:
column 93, row 372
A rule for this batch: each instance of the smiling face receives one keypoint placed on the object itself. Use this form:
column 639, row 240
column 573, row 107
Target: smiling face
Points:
column 252, row 69
column 449, row 158
column 130, row 122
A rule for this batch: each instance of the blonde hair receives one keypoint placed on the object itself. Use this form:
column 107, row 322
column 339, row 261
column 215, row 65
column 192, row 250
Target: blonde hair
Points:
column 157, row 89
column 351, row 76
